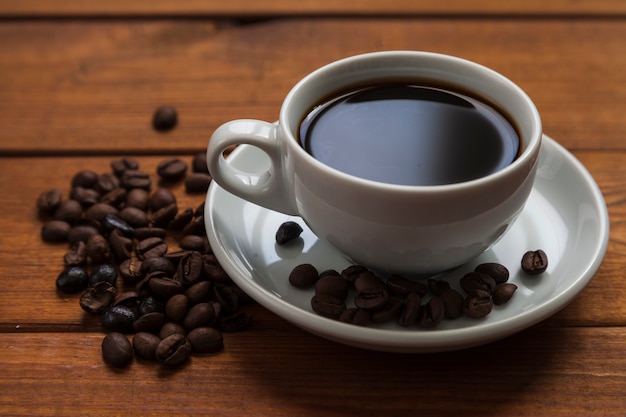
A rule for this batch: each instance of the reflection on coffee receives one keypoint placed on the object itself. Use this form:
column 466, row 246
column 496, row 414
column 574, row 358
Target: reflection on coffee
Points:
column 409, row 135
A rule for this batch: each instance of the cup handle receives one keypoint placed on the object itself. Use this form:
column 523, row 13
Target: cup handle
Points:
column 268, row 188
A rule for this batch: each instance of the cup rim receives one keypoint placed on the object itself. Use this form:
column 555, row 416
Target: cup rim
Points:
column 528, row 157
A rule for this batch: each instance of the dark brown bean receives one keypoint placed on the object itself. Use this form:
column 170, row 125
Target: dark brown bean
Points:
column 145, row 345
column 355, row 316
column 202, row 314
column 150, row 322
column 98, row 297
column 503, row 293
column 453, row 303
column 205, row 340
column 164, row 118
column 173, row 169
column 497, row 271
column 535, row 262
column 478, row 304
column 371, row 298
column 410, row 310
column 197, row 183
column 328, row 305
column 177, row 307
column 401, row 287
column 388, row 312
column 332, row 285
column 68, row 211
column 303, row 276
column 432, row 313
column 477, row 281
column 55, row 231
column 287, row 232
column 174, row 350
column 198, row 163
column 171, row 328
column 49, row 201
column 117, row 350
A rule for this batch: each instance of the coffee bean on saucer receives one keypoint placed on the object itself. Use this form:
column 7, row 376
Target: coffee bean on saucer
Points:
column 503, row 293
column 535, row 262
column 303, row 276
column 478, row 304
column 497, row 271
column 287, row 232
column 164, row 118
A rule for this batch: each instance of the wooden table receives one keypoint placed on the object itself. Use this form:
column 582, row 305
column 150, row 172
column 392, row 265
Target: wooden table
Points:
column 79, row 81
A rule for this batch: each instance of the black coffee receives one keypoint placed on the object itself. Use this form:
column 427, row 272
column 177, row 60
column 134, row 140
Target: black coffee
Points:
column 410, row 135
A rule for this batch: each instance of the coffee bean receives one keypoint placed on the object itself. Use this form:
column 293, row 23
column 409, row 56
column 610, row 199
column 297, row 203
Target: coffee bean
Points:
column 133, row 216
column 182, row 219
column 81, row 232
column 190, row 268
column 85, row 196
column 104, row 272
column 437, row 286
column 165, row 287
column 194, row 243
column 174, row 350
column 130, row 270
column 199, row 292
column 118, row 166
column 117, row 350
column 150, row 322
column 119, row 318
column 150, row 247
column 170, row 328
column 49, row 201
column 453, row 303
column 328, row 305
column 138, row 198
column 98, row 249
column 107, row 182
column 371, row 298
column 55, row 231
column 303, row 276
column 234, row 322
column 72, row 279
column 163, row 216
column 141, row 233
column 367, row 280
column 98, row 297
column 205, row 340
column 387, row 313
column 145, row 345
column 177, row 307
column 115, row 197
column 497, row 271
column 68, row 211
column 195, row 227
column 410, row 310
column 76, row 255
column 150, row 304
column 121, row 246
column 135, row 179
column 535, row 262
column 355, row 316
column 432, row 313
column 332, row 285
column 226, row 297
column 478, row 304
column 401, row 287
column 202, row 314
column 112, row 222
column 162, row 197
column 351, row 273
column 197, row 183
column 85, row 178
column 173, row 169
column 287, row 232
column 157, row 263
column 503, row 293
column 477, row 281
column 164, row 118
column 199, row 164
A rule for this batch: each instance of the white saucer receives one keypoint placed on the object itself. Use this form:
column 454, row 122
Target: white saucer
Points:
column 566, row 216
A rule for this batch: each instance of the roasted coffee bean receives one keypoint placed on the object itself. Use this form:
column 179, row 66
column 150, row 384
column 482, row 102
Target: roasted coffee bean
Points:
column 157, row 263
column 141, row 233
column 98, row 211
column 49, row 201
column 138, row 198
column 76, row 255
column 226, row 297
column 453, row 303
column 328, row 305
column 235, row 322
column 432, row 312
column 103, row 272
column 371, row 298
column 190, row 268
column 332, row 285
column 330, row 272
column 287, row 232
column 367, row 280
column 478, row 304
column 68, row 211
column 128, row 298
column 199, row 292
column 216, row 273
column 202, row 314
column 150, row 247
column 352, row 272
column 150, row 304
column 174, row 350
column 134, row 217
column 98, row 249
column 164, row 118
column 401, row 287
column 477, row 281
column 503, row 293
column 97, row 297
column 117, row 350
column 121, row 246
column 85, row 178
column 130, row 270
column 195, row 227
column 118, row 166
column 194, row 243
column 55, row 231
column 303, row 276
column 437, row 286
column 135, row 179
column 165, row 287
column 170, row 328
column 119, row 318
column 177, row 307
column 106, row 183
column 112, row 222
column 151, row 322
column 535, row 262
column 182, row 219
column 205, row 340
column 199, row 211
column 197, row 183
column 173, row 169
column 81, row 233
column 198, row 163
column 162, row 197
column 72, row 279
column 163, row 216
column 355, row 316
column 497, row 271
column 410, row 310
column 116, row 197
column 389, row 312
column 145, row 345
column 85, row 196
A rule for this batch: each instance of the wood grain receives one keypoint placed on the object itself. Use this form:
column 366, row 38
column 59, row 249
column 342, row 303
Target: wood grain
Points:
column 89, row 87
column 290, row 7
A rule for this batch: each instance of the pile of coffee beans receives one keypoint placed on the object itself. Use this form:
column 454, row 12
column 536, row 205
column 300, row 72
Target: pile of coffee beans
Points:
column 409, row 302
column 141, row 263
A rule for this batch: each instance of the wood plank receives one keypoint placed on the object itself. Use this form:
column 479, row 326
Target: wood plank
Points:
column 272, row 369
column 324, row 7
column 99, row 94
column 29, row 300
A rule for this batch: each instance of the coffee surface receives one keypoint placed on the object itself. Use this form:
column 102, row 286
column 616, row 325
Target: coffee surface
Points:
column 409, row 135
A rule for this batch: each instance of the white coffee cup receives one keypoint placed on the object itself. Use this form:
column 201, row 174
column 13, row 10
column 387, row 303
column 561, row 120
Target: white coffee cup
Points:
column 388, row 227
